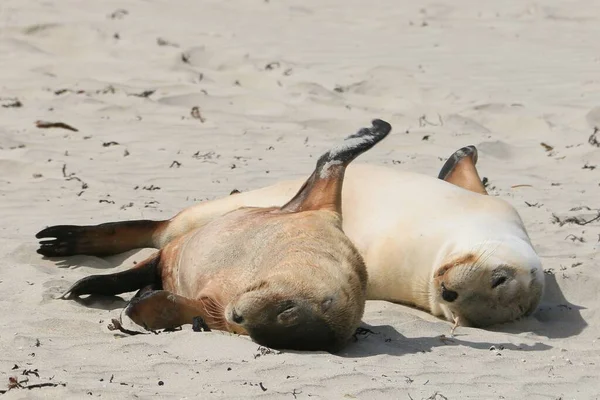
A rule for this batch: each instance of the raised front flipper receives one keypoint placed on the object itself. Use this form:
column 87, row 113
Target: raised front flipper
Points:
column 323, row 189
column 460, row 170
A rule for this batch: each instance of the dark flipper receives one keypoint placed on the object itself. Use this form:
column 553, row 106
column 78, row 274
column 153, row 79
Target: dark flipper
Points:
column 141, row 276
column 460, row 170
column 323, row 189
column 98, row 240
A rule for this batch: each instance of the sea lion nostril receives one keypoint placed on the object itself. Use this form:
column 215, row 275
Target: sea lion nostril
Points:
column 448, row 295
column 235, row 317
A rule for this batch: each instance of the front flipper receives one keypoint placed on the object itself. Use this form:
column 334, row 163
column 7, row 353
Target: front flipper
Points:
column 161, row 309
column 460, row 170
column 146, row 273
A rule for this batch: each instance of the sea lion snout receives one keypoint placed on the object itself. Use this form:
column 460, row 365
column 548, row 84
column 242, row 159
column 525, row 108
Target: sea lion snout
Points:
column 447, row 294
column 284, row 324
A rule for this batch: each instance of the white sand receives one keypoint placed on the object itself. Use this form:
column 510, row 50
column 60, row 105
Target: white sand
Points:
column 504, row 77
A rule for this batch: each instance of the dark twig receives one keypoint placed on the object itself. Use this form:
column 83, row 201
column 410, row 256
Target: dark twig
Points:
column 592, row 139
column 573, row 220
column 62, row 125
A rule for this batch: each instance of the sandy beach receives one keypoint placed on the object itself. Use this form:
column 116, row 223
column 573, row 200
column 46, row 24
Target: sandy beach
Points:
column 163, row 104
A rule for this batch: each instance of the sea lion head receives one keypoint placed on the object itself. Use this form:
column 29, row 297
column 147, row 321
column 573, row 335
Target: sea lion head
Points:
column 498, row 283
column 308, row 310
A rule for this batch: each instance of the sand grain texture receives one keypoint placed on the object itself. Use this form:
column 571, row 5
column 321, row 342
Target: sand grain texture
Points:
column 276, row 83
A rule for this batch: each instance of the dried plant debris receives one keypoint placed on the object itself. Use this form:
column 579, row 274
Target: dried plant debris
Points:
column 15, row 382
column 71, row 176
column 581, row 218
column 118, row 14
column 574, row 238
column 593, row 140
column 272, row 65
column 265, row 351
column 206, row 156
column 11, row 103
column 164, row 42
column 144, row 94
column 126, row 206
column 195, row 113
column 150, row 188
column 60, row 125
column 547, row 147
column 537, row 205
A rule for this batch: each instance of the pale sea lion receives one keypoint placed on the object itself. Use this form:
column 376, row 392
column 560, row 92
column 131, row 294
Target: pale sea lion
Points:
column 287, row 276
column 442, row 245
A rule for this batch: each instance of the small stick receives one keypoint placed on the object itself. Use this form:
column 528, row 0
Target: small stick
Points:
column 62, row 125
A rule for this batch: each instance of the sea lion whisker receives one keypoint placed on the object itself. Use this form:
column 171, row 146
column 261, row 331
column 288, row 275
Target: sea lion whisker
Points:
column 480, row 262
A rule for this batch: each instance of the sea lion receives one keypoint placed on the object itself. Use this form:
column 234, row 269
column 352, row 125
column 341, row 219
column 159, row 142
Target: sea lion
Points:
column 442, row 245
column 286, row 276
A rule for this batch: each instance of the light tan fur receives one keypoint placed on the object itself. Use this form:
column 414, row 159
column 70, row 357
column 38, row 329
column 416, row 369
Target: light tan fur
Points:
column 414, row 232
column 269, row 256
column 407, row 226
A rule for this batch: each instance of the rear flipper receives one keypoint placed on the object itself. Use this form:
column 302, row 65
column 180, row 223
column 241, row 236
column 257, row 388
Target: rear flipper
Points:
column 460, row 170
column 145, row 274
column 98, row 240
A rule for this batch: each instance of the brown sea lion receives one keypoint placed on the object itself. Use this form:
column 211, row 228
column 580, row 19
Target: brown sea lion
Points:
column 287, row 276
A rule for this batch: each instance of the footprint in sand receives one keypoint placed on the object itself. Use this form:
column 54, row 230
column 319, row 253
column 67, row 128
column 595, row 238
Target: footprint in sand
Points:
column 497, row 149
column 388, row 82
column 593, row 117
column 464, row 125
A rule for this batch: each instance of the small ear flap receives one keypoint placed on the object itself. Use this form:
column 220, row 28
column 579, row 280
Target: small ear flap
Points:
column 323, row 190
column 460, row 170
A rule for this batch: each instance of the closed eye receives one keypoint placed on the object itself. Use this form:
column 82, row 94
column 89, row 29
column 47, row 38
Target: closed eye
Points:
column 498, row 281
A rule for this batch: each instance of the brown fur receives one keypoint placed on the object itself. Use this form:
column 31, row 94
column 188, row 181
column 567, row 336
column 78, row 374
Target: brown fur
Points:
column 289, row 277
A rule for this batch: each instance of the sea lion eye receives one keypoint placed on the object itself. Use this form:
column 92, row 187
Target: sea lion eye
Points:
column 498, row 281
column 326, row 304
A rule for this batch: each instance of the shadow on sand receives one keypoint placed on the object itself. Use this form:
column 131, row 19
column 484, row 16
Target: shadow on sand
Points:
column 97, row 262
column 385, row 339
column 555, row 318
